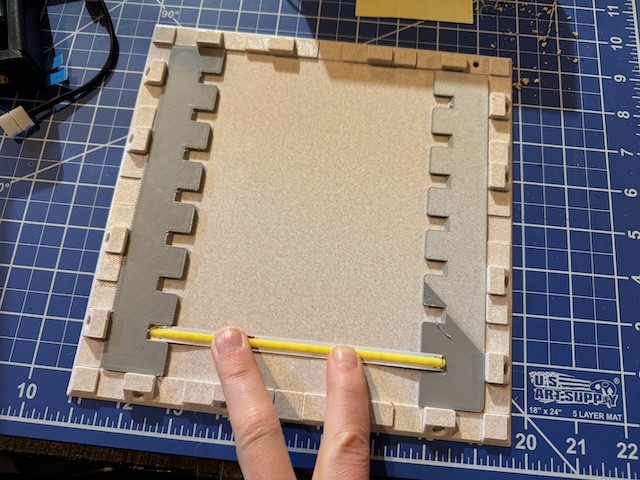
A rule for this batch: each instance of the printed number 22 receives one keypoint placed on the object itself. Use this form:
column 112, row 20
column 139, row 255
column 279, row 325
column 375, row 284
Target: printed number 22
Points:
column 627, row 451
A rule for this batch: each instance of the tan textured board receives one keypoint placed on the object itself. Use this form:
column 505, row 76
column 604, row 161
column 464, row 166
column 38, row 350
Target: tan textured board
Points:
column 458, row 11
column 311, row 225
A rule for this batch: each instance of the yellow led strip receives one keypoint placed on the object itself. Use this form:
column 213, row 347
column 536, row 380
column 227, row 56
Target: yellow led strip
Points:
column 419, row 361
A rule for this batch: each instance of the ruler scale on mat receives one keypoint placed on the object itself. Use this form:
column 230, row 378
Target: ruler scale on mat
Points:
column 576, row 345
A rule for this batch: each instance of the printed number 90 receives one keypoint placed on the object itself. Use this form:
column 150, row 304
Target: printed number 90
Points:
column 164, row 13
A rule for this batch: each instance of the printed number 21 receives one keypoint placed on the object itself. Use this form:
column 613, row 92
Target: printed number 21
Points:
column 576, row 447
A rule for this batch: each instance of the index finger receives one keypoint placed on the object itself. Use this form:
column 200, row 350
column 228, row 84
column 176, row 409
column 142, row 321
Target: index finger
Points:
column 260, row 446
column 344, row 449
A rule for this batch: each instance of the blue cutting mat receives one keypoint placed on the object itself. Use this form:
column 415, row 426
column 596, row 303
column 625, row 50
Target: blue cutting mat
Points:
column 576, row 328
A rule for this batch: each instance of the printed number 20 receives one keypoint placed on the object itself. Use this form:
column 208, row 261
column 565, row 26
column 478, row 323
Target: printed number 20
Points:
column 526, row 441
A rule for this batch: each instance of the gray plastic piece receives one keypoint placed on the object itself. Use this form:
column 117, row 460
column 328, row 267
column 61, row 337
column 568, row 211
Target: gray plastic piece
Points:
column 431, row 298
column 150, row 257
column 461, row 291
column 461, row 385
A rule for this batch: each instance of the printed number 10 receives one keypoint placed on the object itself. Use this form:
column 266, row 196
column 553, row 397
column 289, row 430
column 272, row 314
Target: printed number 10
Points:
column 27, row 391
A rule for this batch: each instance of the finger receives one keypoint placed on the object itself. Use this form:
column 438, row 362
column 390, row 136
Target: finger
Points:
column 260, row 445
column 344, row 449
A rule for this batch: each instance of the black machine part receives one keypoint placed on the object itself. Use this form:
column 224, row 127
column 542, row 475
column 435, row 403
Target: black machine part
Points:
column 21, row 57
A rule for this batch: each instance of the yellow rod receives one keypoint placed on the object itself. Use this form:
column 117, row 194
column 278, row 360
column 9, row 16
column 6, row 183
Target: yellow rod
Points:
column 293, row 347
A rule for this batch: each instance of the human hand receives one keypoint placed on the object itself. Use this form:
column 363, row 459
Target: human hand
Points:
column 260, row 445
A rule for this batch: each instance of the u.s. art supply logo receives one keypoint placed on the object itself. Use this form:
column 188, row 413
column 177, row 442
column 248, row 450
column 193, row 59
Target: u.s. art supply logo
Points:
column 561, row 388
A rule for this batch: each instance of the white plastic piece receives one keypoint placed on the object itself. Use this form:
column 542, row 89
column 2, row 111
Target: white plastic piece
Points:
column 84, row 380
column 439, row 422
column 89, row 353
column 110, row 385
column 354, row 53
column 282, row 46
column 164, row 35
column 116, row 240
column 96, row 323
column 496, row 427
column 404, row 58
column 139, row 140
column 22, row 118
column 408, row 418
column 499, row 164
column 379, row 55
column 455, row 62
column 497, row 281
column 496, row 368
column 138, row 386
column 16, row 121
column 9, row 125
column 382, row 413
column 155, row 73
column 499, row 106
column 210, row 39
column 499, row 176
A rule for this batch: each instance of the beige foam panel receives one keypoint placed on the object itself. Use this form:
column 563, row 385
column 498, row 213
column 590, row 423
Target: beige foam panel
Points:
column 311, row 226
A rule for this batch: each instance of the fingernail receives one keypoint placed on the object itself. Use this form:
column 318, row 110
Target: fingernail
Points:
column 346, row 357
column 228, row 341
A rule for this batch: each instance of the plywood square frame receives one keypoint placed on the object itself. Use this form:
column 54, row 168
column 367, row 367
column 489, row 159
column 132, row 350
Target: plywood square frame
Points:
column 189, row 380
